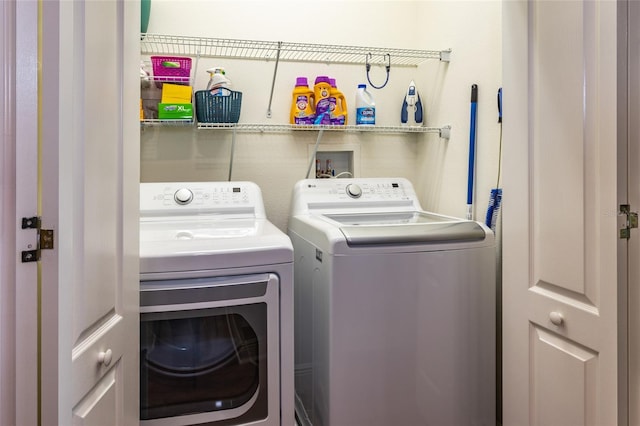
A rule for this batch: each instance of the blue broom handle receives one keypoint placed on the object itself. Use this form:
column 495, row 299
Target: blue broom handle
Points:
column 472, row 147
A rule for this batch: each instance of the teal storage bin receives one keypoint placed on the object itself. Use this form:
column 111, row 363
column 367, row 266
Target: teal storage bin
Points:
column 224, row 108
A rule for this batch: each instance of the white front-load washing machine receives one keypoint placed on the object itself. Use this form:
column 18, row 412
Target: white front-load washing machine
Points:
column 395, row 316
column 216, row 307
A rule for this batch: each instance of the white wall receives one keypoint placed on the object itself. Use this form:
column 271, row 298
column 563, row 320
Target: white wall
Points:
column 473, row 30
column 275, row 161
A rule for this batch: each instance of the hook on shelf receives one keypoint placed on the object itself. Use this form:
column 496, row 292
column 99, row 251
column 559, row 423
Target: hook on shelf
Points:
column 387, row 66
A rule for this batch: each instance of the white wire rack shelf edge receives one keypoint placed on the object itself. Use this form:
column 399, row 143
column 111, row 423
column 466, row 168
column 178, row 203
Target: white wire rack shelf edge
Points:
column 285, row 51
column 443, row 131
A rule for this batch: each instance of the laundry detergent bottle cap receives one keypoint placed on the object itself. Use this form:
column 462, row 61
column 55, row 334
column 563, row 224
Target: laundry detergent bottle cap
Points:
column 302, row 104
column 365, row 107
column 321, row 92
column 338, row 105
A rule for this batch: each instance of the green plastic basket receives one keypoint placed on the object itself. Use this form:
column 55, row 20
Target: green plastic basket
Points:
column 222, row 108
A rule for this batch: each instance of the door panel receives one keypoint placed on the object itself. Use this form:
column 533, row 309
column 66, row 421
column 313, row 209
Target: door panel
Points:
column 564, row 143
column 96, row 74
column 558, row 135
column 560, row 222
column 90, row 184
column 100, row 404
column 569, row 399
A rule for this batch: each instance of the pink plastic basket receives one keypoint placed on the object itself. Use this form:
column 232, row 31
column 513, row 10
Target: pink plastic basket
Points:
column 175, row 69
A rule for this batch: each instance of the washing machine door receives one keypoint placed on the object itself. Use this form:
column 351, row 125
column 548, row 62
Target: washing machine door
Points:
column 205, row 349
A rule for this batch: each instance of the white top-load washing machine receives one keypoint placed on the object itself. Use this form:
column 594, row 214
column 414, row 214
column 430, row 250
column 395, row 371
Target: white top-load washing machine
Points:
column 395, row 316
column 216, row 307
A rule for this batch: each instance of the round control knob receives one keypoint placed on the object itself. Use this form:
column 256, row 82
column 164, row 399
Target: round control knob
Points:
column 183, row 196
column 353, row 190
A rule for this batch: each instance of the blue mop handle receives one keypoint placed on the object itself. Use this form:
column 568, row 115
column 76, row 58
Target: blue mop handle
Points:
column 472, row 150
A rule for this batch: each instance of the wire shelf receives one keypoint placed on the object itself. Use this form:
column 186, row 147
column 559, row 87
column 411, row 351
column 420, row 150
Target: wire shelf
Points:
column 285, row 51
column 159, row 44
column 164, row 122
column 442, row 131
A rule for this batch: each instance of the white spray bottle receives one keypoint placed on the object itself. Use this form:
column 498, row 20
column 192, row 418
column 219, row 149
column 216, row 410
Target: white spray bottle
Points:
column 217, row 78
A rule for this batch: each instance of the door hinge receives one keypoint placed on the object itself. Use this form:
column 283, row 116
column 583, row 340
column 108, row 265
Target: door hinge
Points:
column 630, row 222
column 44, row 240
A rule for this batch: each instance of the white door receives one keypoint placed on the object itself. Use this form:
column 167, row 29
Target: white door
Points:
column 561, row 278
column 83, row 114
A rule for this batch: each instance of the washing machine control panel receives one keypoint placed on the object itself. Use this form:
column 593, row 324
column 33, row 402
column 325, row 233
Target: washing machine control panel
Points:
column 367, row 190
column 325, row 194
column 163, row 199
column 390, row 190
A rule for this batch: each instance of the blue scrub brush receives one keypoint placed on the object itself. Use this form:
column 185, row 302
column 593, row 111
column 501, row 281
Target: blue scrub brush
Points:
column 495, row 198
column 494, row 208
